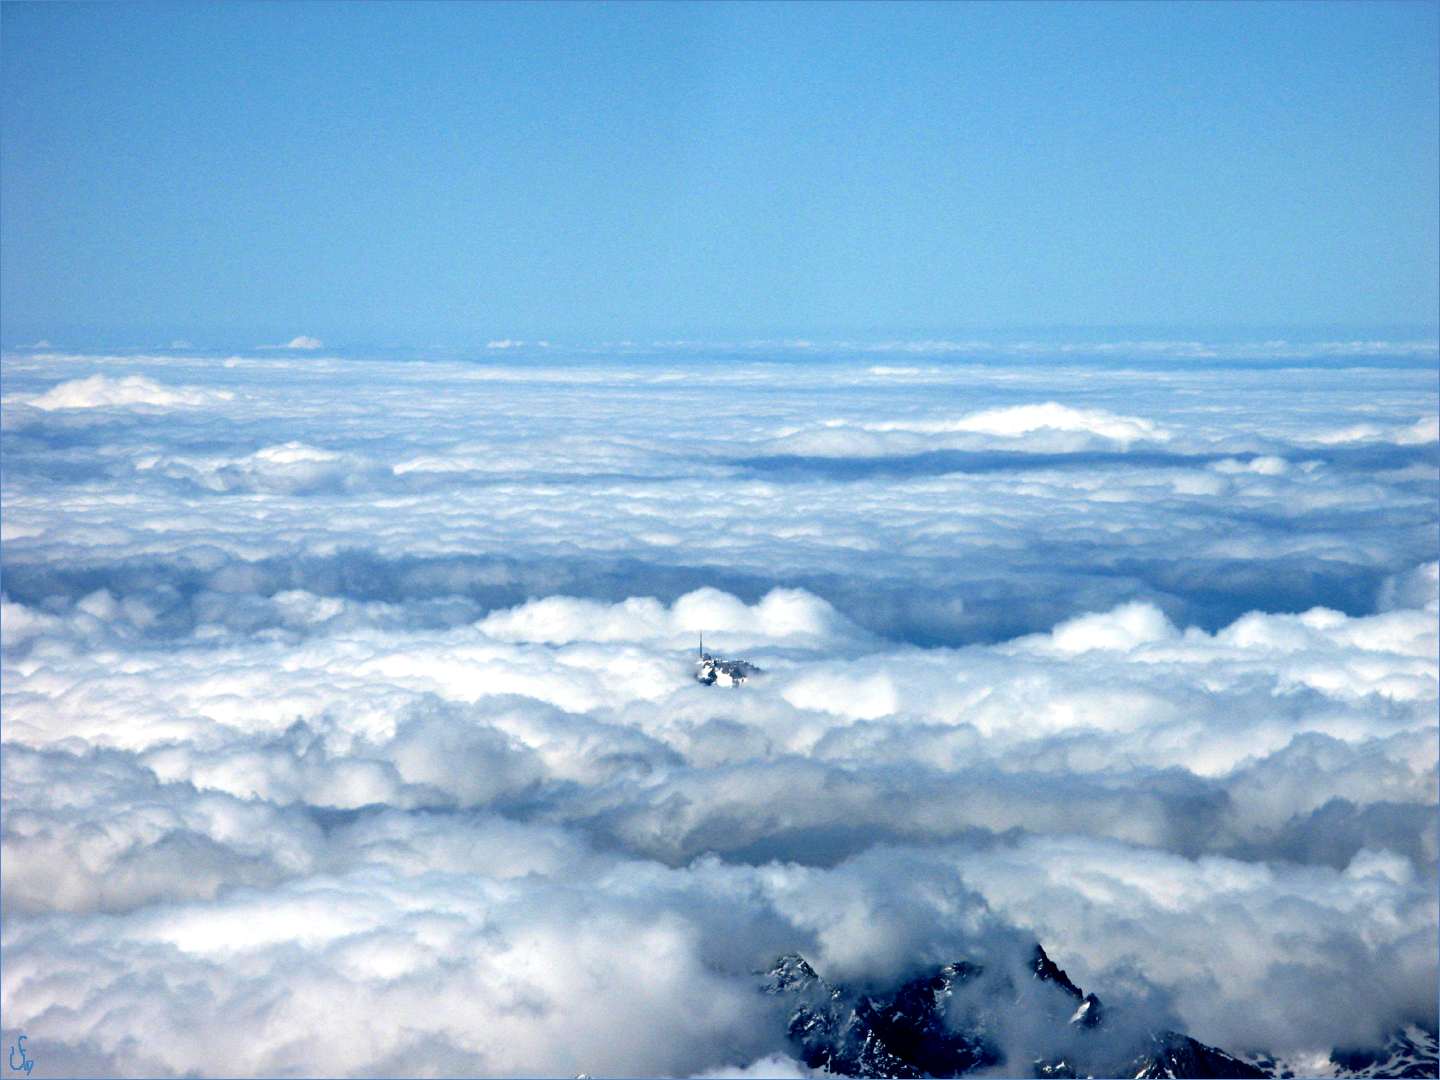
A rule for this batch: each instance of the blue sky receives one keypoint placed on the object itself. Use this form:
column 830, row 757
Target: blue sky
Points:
column 416, row 175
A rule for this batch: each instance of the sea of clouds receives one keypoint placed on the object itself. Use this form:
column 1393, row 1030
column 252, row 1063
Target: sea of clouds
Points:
column 349, row 725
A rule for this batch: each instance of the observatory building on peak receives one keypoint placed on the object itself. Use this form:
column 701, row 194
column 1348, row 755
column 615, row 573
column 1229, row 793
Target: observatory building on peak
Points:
column 715, row 671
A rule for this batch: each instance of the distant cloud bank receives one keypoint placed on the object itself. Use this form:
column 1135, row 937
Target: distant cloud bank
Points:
column 100, row 391
column 300, row 341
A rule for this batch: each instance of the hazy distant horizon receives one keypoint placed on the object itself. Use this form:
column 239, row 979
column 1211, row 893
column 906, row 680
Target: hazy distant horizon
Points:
column 1382, row 339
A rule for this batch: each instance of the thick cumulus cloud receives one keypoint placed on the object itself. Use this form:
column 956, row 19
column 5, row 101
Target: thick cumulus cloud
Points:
column 1048, row 426
column 100, row 391
column 350, row 727
column 287, row 468
column 782, row 616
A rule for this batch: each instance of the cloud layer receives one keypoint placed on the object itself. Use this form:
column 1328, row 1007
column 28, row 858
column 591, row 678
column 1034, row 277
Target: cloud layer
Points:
column 350, row 727
column 99, row 391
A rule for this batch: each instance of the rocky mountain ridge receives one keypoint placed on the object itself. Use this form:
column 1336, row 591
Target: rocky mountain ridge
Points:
column 1409, row 1054
column 1018, row 1020
column 717, row 671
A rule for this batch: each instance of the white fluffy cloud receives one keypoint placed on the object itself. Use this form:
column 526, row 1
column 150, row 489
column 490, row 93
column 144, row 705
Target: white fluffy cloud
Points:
column 101, row 391
column 1424, row 430
column 781, row 617
column 1045, row 427
column 350, row 725
column 1019, row 420
column 291, row 467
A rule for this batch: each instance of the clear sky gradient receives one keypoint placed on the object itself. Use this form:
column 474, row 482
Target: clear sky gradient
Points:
column 439, row 175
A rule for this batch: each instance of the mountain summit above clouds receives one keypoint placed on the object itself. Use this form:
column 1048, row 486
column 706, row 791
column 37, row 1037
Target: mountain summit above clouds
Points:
column 1030, row 1021
column 966, row 1016
column 717, row 671
column 1411, row 1053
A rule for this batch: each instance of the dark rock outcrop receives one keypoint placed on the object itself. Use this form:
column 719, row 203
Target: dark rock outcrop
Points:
column 963, row 1017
